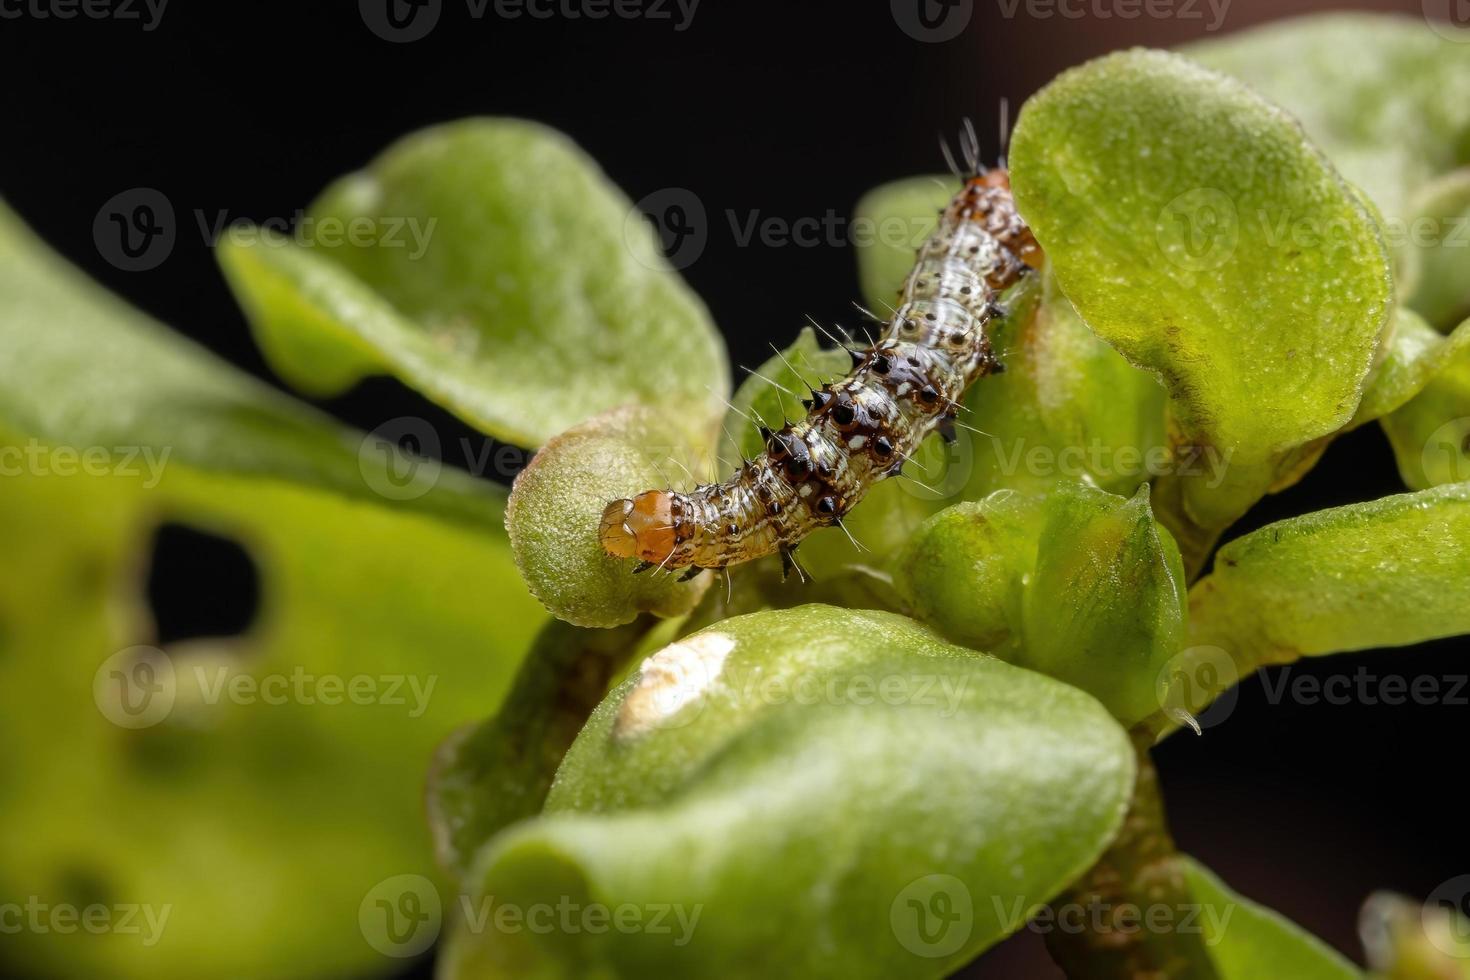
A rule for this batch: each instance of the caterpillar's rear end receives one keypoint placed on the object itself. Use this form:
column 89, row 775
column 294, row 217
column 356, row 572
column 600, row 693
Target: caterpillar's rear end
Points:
column 862, row 428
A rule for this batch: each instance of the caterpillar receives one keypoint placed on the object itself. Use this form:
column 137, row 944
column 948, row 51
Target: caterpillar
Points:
column 862, row 428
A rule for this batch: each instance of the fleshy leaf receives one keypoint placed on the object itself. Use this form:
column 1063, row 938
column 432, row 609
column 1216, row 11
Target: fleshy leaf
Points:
column 1247, row 941
column 206, row 789
column 1383, row 95
column 911, row 795
column 1440, row 233
column 1412, row 359
column 1081, row 585
column 489, row 264
column 557, row 504
column 1391, row 572
column 1195, row 229
column 1104, row 606
column 900, row 214
column 962, row 573
column 1430, row 433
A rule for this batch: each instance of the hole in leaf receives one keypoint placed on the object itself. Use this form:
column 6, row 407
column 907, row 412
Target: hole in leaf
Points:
column 200, row 585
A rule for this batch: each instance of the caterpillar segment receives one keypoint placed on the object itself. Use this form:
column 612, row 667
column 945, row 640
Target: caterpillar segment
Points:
column 860, row 429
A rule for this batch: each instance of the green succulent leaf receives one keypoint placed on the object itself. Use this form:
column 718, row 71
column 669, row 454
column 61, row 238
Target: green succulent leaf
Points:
column 1195, row 229
column 913, row 798
column 1439, row 232
column 963, row 572
column 900, row 215
column 489, row 264
column 556, row 506
column 1081, row 585
column 1381, row 94
column 1415, row 355
column 1247, row 941
column 1430, row 433
column 372, row 608
column 1387, row 573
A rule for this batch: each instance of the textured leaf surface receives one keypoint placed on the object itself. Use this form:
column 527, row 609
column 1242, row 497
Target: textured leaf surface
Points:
column 1195, row 229
column 557, row 503
column 898, row 825
column 497, row 271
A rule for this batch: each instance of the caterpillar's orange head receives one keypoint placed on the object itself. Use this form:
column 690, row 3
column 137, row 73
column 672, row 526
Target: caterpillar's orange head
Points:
column 642, row 527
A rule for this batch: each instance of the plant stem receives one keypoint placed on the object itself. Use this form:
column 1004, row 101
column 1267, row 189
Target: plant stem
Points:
column 1125, row 918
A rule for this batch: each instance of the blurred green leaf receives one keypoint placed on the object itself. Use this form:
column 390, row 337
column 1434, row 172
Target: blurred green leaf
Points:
column 1383, row 95
column 1439, row 231
column 1247, row 941
column 914, row 800
column 1409, row 940
column 1414, row 356
column 1386, row 573
column 489, row 264
column 1430, row 433
column 556, row 506
column 900, row 214
column 1195, row 229
column 255, row 823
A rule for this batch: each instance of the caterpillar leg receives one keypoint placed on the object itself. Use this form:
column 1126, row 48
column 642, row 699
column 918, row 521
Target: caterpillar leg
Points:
column 788, row 562
column 693, row 571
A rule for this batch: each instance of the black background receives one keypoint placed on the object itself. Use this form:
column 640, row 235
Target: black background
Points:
column 788, row 109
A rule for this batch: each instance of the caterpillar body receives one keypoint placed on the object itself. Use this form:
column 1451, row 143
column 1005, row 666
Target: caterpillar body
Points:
column 862, row 428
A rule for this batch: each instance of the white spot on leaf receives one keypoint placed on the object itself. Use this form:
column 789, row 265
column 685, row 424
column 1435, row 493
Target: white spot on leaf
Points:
column 672, row 683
